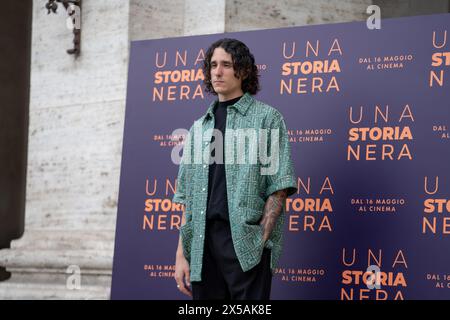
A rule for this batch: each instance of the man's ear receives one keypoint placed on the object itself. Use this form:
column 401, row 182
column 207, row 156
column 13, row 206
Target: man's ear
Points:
column 244, row 74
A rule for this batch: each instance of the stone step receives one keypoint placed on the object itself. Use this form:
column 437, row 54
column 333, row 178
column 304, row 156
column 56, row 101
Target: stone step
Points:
column 10, row 290
column 19, row 259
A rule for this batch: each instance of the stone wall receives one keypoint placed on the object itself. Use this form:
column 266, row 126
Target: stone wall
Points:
column 74, row 149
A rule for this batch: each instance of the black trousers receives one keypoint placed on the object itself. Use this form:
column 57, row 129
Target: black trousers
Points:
column 222, row 275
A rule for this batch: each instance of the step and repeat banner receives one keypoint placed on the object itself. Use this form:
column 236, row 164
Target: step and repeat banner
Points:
column 368, row 114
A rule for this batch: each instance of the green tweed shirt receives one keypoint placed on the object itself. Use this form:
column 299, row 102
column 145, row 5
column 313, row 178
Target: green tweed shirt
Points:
column 248, row 187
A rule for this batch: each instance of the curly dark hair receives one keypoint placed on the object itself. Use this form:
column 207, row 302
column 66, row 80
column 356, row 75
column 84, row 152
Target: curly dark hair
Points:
column 243, row 64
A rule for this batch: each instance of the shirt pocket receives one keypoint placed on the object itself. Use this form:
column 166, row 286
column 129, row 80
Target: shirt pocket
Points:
column 250, row 203
column 251, row 209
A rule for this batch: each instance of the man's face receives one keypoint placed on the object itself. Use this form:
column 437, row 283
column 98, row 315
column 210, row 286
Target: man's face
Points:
column 225, row 84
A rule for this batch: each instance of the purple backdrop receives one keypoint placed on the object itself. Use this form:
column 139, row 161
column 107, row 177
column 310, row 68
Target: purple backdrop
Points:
column 349, row 212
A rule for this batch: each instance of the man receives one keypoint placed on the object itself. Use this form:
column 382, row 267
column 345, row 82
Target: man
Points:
column 231, row 229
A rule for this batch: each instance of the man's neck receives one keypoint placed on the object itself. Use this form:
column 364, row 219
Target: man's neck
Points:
column 230, row 96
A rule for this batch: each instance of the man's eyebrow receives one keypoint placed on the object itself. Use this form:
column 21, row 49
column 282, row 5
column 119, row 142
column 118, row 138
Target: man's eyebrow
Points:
column 223, row 61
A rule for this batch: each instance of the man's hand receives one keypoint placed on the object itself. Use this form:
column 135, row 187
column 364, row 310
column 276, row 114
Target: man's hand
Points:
column 182, row 276
column 272, row 210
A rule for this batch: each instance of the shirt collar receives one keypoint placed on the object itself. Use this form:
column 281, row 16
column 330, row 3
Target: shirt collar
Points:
column 241, row 106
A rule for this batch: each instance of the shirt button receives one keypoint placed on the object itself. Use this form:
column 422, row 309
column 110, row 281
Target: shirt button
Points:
column 204, row 166
column 201, row 212
column 201, row 236
column 203, row 189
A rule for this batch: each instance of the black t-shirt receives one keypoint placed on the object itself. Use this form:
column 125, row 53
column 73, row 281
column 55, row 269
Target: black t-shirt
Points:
column 217, row 203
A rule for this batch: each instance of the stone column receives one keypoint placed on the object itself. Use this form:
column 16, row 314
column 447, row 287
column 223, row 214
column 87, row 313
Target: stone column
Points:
column 261, row 14
column 156, row 19
column 204, row 17
column 402, row 8
column 74, row 151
